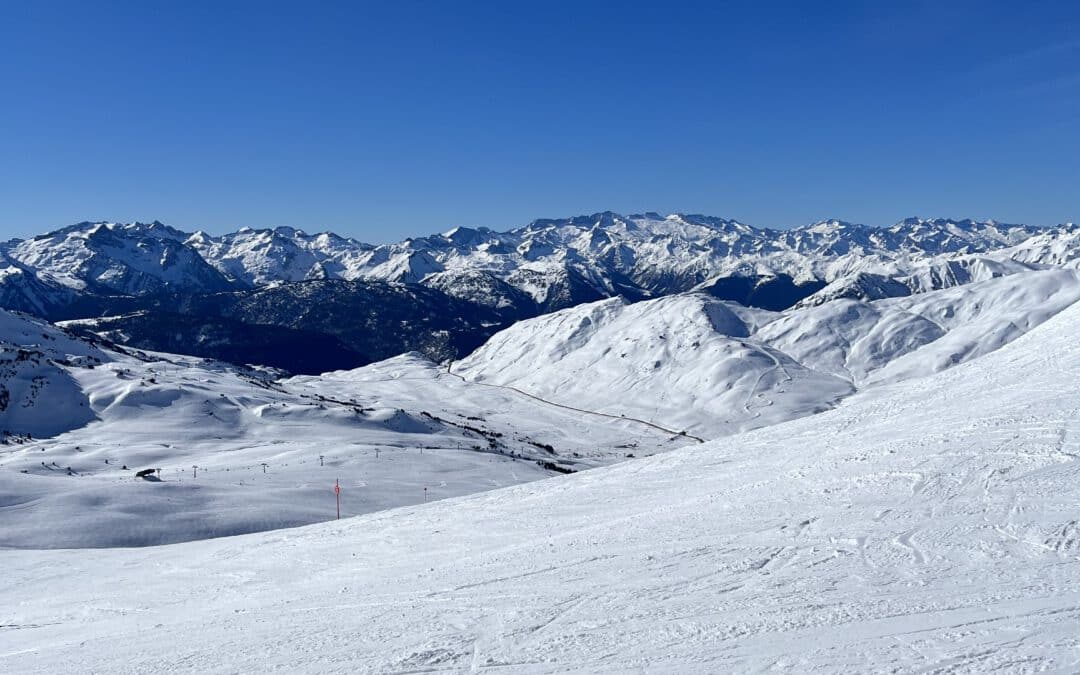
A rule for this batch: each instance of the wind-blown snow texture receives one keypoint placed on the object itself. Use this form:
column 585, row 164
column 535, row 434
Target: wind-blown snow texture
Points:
column 926, row 525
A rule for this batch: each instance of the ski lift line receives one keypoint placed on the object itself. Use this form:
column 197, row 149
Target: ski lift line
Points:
column 567, row 407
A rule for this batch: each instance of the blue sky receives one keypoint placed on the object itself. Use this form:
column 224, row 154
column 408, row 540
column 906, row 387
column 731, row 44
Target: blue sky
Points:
column 384, row 120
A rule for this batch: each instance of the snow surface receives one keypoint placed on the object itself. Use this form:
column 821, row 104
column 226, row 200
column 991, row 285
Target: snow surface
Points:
column 683, row 361
column 38, row 395
column 714, row 368
column 260, row 257
column 927, row 525
column 577, row 389
column 135, row 258
column 395, row 433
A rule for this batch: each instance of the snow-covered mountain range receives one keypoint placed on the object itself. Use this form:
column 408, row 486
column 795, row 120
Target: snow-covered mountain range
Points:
column 927, row 525
column 554, row 262
column 152, row 280
column 822, row 437
column 748, row 328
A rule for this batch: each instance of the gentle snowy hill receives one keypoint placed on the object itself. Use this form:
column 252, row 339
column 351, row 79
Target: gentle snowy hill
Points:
column 716, row 368
column 684, row 361
column 929, row 525
column 894, row 339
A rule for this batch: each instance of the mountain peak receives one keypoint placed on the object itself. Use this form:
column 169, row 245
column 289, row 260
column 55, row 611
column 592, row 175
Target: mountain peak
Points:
column 287, row 231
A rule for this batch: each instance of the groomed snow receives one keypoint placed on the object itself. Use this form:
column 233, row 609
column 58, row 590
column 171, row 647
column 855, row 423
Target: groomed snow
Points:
column 928, row 525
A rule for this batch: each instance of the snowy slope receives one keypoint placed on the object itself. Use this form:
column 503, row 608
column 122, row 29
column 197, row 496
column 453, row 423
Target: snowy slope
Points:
column 684, row 361
column 79, row 421
column 925, row 526
column 258, row 257
column 75, row 416
column 38, row 395
column 892, row 339
column 649, row 255
column 715, row 368
column 23, row 290
column 129, row 259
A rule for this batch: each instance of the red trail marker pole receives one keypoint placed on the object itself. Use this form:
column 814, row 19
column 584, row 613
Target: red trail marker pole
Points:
column 337, row 496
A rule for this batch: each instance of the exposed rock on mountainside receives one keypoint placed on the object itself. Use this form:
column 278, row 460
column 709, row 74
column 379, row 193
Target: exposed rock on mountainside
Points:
column 446, row 293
